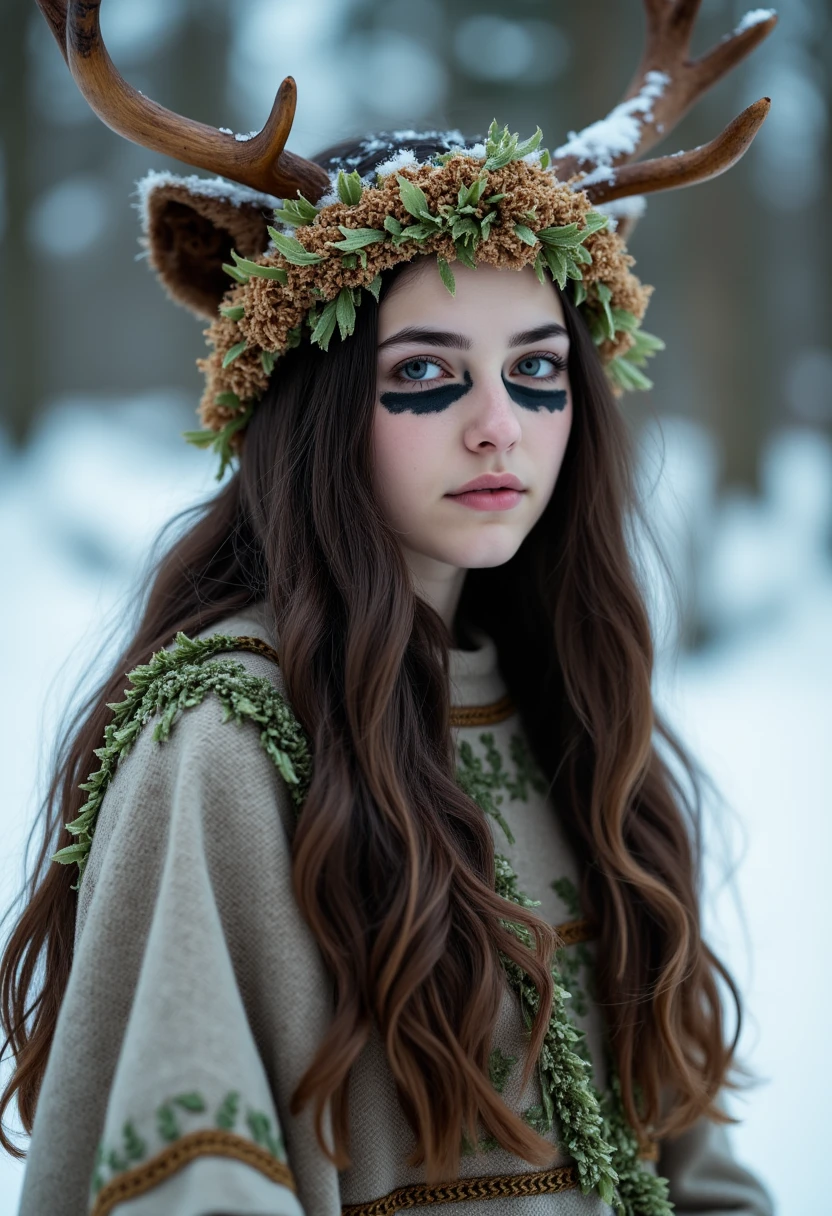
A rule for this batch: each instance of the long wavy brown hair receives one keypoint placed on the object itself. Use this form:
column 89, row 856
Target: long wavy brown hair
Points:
column 393, row 864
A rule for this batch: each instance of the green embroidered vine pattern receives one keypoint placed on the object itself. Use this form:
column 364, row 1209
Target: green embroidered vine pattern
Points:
column 574, row 959
column 593, row 1127
column 175, row 680
column 482, row 784
column 134, row 1149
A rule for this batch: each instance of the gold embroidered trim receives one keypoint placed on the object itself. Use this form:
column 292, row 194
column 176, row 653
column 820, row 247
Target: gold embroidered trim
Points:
column 573, row 931
column 497, row 1186
column 206, row 1143
column 257, row 646
column 482, row 715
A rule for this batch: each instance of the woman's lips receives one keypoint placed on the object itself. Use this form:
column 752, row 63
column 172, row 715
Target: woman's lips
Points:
column 488, row 500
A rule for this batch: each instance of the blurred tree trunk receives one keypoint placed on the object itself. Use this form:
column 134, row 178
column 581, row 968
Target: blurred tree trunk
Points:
column 21, row 342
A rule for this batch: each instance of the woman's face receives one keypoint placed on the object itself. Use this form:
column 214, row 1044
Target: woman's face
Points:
column 470, row 384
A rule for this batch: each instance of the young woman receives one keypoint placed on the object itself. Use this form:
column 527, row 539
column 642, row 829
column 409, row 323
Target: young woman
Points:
column 386, row 895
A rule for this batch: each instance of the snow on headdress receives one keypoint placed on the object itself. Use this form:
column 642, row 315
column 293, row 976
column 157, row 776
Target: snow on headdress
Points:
column 505, row 202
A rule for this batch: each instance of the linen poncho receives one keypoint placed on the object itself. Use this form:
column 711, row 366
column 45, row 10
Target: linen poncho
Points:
column 197, row 996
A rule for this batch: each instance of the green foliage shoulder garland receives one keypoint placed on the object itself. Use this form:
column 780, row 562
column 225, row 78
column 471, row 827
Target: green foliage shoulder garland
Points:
column 593, row 1127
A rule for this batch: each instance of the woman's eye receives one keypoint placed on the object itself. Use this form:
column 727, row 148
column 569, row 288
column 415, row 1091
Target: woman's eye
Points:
column 419, row 370
column 541, row 367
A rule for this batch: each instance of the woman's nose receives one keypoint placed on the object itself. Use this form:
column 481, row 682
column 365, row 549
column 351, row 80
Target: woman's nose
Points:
column 493, row 416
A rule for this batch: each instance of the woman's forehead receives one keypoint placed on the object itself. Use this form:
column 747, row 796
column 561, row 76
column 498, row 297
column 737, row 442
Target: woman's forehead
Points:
column 490, row 303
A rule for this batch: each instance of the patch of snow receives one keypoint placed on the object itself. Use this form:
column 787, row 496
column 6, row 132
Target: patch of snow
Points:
column 632, row 207
column 476, row 150
column 604, row 173
column 402, row 159
column 619, row 133
column 755, row 17
column 208, row 187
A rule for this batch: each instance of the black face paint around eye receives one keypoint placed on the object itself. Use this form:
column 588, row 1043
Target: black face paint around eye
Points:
column 536, row 398
column 428, row 400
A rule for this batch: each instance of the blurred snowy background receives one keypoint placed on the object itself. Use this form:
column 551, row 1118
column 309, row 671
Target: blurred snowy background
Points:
column 97, row 380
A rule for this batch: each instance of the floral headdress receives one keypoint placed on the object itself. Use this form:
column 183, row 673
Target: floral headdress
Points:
column 301, row 244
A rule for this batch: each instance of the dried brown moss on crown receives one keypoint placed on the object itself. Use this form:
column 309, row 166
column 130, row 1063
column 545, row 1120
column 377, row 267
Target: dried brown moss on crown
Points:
column 273, row 310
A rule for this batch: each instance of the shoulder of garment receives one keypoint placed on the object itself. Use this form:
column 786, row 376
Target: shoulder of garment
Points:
column 197, row 994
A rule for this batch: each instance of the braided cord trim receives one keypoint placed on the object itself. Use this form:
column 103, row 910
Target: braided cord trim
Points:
column 497, row 1186
column 209, row 1143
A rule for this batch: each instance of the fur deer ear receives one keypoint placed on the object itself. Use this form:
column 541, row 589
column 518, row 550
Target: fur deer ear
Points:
column 191, row 224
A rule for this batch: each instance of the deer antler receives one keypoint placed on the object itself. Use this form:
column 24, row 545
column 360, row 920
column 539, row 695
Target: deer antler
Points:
column 686, row 168
column 664, row 88
column 260, row 162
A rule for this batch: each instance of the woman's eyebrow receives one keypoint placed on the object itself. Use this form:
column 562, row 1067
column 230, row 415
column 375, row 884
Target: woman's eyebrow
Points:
column 445, row 337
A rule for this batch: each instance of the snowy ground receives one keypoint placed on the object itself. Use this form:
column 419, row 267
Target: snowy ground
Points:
column 78, row 512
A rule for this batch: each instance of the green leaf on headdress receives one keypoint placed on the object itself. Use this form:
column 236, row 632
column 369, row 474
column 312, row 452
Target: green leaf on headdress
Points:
column 580, row 293
column 486, row 222
column 293, row 337
column 200, row 439
column 463, row 255
column 235, row 273
column 464, row 228
column 392, row 225
column 556, row 261
column 230, row 400
column 645, row 346
column 545, row 158
column 261, row 272
column 416, row 232
column 219, row 440
column 414, row 199
column 234, row 312
column 623, row 319
column 232, row 354
column 349, row 186
column 594, row 221
column 558, row 237
column 469, row 196
column 494, row 198
column 345, row 312
column 357, row 238
column 446, row 275
column 325, row 325
column 267, row 358
column 525, row 234
column 581, row 254
column 528, row 145
column 604, row 295
column 375, row 286
column 501, row 148
column 292, row 249
column 539, row 267
column 626, row 375
column 296, row 211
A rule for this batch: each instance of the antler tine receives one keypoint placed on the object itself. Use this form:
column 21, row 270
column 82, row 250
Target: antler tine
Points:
column 665, row 86
column 686, row 168
column 260, row 162
column 55, row 13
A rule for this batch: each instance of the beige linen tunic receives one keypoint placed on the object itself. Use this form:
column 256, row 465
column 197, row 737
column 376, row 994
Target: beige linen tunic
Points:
column 197, row 997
